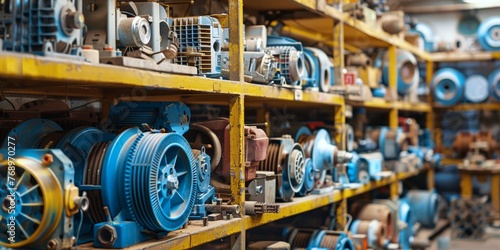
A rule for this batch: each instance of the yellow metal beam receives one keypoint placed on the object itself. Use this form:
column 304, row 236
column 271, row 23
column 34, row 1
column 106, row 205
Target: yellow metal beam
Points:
column 466, row 185
column 236, row 160
column 236, row 72
column 393, row 78
column 430, row 178
column 299, row 205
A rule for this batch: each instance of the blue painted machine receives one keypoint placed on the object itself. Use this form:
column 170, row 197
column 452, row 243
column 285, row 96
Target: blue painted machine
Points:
column 448, row 86
column 142, row 184
column 39, row 198
column 170, row 116
column 292, row 70
column 488, row 34
column 48, row 28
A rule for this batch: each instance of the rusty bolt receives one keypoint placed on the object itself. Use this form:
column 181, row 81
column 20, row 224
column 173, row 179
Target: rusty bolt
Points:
column 1, row 157
column 47, row 159
column 53, row 244
column 106, row 235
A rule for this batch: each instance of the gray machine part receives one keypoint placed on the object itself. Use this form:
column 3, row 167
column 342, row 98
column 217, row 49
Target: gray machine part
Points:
column 259, row 67
column 262, row 188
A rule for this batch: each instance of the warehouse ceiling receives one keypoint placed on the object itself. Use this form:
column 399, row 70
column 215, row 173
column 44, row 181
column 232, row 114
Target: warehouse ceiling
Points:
column 429, row 6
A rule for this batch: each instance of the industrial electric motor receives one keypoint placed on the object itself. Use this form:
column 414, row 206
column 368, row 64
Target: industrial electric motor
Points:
column 49, row 28
column 39, row 198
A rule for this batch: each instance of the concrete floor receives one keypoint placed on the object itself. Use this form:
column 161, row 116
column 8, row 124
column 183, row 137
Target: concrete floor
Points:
column 490, row 243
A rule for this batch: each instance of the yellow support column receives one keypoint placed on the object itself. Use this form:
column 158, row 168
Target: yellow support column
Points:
column 466, row 184
column 430, row 118
column 393, row 78
column 430, row 178
column 236, row 115
column 394, row 190
column 338, row 64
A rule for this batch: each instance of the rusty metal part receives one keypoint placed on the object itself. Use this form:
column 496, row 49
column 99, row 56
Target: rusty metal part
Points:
column 287, row 160
column 253, row 207
column 223, row 208
column 411, row 128
column 381, row 231
column 462, row 142
column 256, row 142
column 392, row 22
column 358, row 60
column 487, row 137
column 378, row 212
column 299, row 238
column 200, row 136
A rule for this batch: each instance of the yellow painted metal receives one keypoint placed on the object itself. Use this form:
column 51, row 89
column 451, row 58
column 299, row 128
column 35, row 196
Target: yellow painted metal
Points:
column 236, row 154
column 260, row 93
column 299, row 205
column 340, row 126
column 394, row 190
column 415, row 107
column 466, row 185
column 450, row 161
column 428, row 79
column 470, row 106
column 430, row 178
column 72, row 73
column 236, row 36
column 381, row 103
column 338, row 54
column 464, row 57
column 495, row 194
column 348, row 193
column 341, row 213
column 393, row 78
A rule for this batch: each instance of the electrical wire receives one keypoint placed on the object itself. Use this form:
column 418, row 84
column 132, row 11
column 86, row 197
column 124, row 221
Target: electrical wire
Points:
column 9, row 102
column 348, row 224
column 83, row 105
column 79, row 227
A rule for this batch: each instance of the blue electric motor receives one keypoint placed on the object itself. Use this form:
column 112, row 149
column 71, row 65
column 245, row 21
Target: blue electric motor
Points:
column 407, row 220
column 424, row 205
column 476, row 88
column 171, row 116
column 309, row 175
column 488, row 34
column 408, row 75
column 287, row 160
column 137, row 181
column 448, row 86
column 39, row 198
column 364, row 167
column 49, row 28
column 319, row 68
column 291, row 59
column 494, row 84
column 390, row 146
column 331, row 240
column 426, row 34
column 205, row 192
column 324, row 155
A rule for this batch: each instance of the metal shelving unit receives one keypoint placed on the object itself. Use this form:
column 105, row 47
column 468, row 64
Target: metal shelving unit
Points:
column 51, row 77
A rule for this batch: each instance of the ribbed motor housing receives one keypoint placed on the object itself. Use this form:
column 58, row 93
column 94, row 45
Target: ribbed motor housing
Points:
column 149, row 199
column 41, row 27
column 201, row 35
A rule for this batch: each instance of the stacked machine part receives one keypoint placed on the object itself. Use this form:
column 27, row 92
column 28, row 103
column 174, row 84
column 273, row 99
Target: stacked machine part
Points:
column 469, row 218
